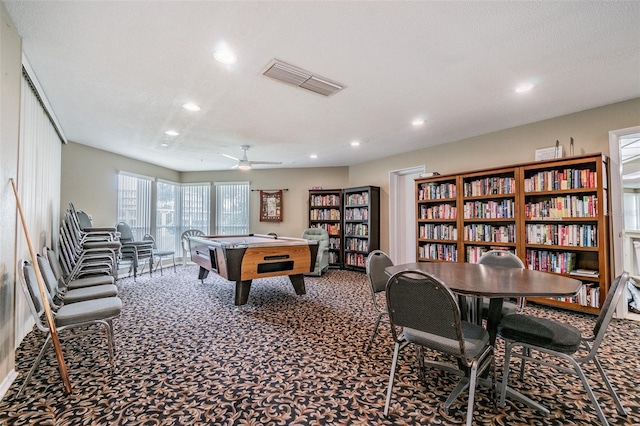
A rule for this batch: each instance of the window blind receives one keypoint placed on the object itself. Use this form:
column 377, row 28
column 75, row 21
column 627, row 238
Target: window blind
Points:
column 232, row 208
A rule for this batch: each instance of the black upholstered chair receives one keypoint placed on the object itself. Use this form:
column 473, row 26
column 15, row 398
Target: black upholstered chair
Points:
column 561, row 346
column 376, row 262
column 429, row 315
column 160, row 254
column 505, row 259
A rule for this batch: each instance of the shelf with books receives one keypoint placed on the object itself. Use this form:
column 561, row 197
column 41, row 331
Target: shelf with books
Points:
column 552, row 214
column 325, row 211
column 361, row 225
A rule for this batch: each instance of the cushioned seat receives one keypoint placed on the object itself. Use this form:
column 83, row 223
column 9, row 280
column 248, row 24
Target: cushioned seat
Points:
column 322, row 260
column 557, row 336
column 476, row 339
column 88, row 311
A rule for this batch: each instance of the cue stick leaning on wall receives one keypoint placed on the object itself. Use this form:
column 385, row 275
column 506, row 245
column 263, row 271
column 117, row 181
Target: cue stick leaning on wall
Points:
column 62, row 366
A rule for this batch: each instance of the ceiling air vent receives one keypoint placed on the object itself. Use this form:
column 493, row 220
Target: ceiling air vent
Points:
column 290, row 74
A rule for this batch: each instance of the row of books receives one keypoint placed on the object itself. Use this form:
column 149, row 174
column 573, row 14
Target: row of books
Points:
column 583, row 235
column 356, row 244
column 490, row 209
column 358, row 199
column 334, row 243
column 441, row 211
column 325, row 200
column 490, row 233
column 331, row 228
column 324, row 214
column 438, row 232
column 448, row 252
column 474, row 253
column 334, row 257
column 356, row 229
column 436, row 191
column 356, row 213
column 561, row 207
column 554, row 180
column 489, row 186
column 589, row 295
column 550, row 261
column 356, row 259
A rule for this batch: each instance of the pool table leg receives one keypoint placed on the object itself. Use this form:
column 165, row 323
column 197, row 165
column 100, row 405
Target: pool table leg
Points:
column 203, row 273
column 242, row 292
column 298, row 284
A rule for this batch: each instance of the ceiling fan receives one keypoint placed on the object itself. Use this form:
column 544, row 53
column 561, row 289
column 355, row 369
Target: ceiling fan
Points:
column 244, row 163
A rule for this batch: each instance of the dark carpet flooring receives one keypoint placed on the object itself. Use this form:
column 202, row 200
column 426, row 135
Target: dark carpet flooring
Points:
column 186, row 355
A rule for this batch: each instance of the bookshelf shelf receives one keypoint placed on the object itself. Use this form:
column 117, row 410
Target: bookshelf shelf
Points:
column 326, row 211
column 552, row 214
column 362, row 225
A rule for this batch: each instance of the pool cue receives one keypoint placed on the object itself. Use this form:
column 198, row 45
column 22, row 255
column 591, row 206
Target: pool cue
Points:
column 62, row 366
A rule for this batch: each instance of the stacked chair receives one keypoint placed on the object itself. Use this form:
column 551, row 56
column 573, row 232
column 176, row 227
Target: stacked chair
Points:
column 137, row 253
column 87, row 252
column 74, row 314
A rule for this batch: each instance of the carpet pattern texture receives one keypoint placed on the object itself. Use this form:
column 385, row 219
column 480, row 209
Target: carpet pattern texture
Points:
column 186, row 355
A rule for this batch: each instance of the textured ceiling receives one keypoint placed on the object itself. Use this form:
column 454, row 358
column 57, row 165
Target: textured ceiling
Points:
column 117, row 73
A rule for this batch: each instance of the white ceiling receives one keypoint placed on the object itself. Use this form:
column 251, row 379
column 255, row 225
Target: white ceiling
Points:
column 118, row 73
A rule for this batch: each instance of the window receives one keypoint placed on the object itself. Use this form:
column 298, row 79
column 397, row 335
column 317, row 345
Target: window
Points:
column 232, row 208
column 195, row 206
column 134, row 203
column 167, row 215
column 631, row 201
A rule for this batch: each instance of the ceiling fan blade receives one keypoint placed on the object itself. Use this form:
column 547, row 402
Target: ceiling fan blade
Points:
column 265, row 162
column 228, row 156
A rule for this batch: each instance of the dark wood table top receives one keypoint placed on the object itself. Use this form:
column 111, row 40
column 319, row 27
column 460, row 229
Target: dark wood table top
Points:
column 494, row 281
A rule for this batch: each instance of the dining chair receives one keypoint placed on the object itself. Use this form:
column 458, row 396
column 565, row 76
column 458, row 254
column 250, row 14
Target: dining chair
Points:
column 185, row 242
column 505, row 259
column 71, row 321
column 136, row 252
column 429, row 315
column 375, row 264
column 545, row 340
column 159, row 254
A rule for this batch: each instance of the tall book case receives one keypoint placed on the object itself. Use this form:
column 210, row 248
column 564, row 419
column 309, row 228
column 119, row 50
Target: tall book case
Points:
column 552, row 214
column 325, row 211
column 361, row 225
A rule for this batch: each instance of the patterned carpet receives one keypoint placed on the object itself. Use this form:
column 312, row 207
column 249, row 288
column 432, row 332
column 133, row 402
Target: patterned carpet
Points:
column 185, row 355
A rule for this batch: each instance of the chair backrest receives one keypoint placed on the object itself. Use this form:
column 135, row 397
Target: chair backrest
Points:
column 32, row 292
column 189, row 233
column 125, row 232
column 423, row 302
column 48, row 276
column 608, row 308
column 375, row 264
column 54, row 263
column 317, row 234
column 83, row 220
column 501, row 258
column 149, row 237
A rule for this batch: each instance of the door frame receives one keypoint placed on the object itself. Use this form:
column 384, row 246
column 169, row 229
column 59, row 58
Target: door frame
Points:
column 398, row 199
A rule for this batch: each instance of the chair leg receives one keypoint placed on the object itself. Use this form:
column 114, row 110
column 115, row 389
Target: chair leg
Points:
column 472, row 391
column 373, row 335
column 505, row 373
column 392, row 374
column 173, row 259
column 590, row 393
column 613, row 394
column 35, row 365
column 523, row 362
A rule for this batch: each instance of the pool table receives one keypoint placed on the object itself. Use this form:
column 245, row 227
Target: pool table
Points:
column 243, row 258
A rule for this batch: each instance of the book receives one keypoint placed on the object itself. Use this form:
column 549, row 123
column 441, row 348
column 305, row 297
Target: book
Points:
column 585, row 272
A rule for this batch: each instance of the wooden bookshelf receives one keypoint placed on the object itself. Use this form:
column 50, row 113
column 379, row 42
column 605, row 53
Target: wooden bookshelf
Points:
column 325, row 211
column 552, row 214
column 361, row 225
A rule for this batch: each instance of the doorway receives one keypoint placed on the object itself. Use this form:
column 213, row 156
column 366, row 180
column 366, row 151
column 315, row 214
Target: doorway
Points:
column 402, row 214
column 624, row 156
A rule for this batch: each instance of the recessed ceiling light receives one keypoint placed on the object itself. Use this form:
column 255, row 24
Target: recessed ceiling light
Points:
column 171, row 133
column 164, row 144
column 418, row 122
column 191, row 107
column 524, row 88
column 225, row 56
column 355, row 143
column 313, row 156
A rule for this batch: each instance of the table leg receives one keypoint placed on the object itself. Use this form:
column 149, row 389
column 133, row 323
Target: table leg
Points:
column 242, row 292
column 298, row 284
column 494, row 317
column 202, row 273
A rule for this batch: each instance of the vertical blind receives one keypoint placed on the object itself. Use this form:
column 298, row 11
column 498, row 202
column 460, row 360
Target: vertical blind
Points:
column 195, row 206
column 38, row 180
column 134, row 203
column 232, row 208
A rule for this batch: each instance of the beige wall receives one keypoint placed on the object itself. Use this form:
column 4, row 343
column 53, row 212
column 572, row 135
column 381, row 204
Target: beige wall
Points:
column 10, row 77
column 89, row 180
column 589, row 129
